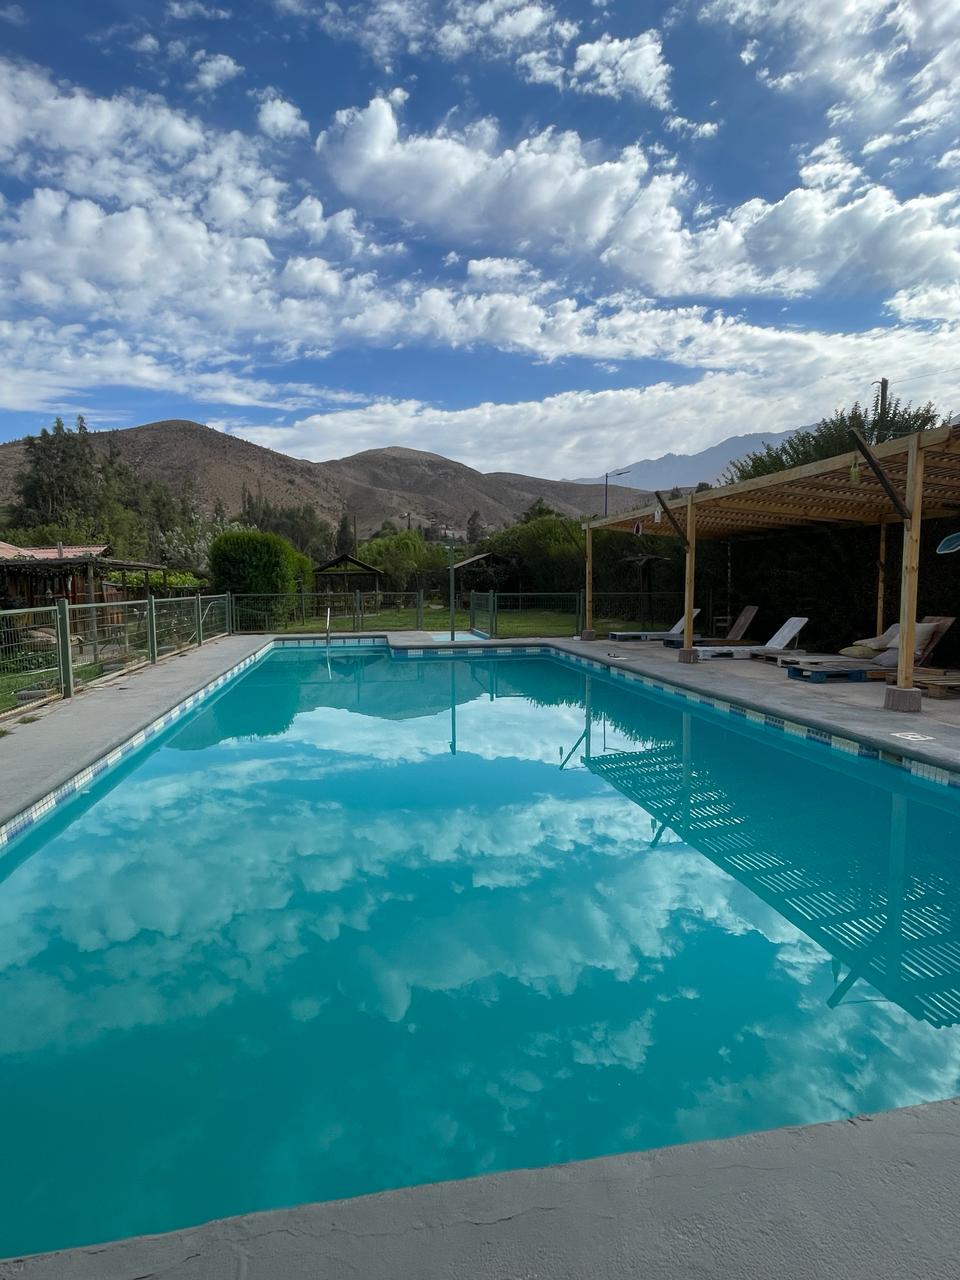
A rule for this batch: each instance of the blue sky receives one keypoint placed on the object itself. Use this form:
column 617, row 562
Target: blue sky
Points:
column 534, row 235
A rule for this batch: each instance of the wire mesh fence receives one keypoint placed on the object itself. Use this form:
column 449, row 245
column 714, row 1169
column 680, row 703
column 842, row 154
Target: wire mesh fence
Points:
column 107, row 637
column 176, row 621
column 635, row 610
column 348, row 611
column 537, row 613
column 29, row 662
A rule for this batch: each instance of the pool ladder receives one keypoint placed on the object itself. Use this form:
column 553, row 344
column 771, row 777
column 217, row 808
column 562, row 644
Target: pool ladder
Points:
column 328, row 626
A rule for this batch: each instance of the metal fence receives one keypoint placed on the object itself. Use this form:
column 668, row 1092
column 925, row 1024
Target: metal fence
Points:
column 29, row 657
column 537, row 614
column 50, row 652
column 348, row 611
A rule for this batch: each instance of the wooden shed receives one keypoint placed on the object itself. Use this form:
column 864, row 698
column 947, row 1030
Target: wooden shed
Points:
column 346, row 573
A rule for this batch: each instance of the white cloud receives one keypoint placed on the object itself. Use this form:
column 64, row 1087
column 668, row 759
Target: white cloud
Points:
column 146, row 43
column 213, row 71
column 14, row 14
column 281, row 119
column 554, row 192
column 615, row 68
column 886, row 62
column 192, row 9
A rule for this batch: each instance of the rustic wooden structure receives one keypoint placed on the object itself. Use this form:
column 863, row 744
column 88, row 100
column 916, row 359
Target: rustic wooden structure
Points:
column 899, row 481
column 346, row 573
column 35, row 577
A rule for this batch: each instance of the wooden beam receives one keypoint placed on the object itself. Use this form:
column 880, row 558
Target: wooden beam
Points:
column 688, row 577
column 671, row 517
column 588, row 589
column 945, row 439
column 911, row 564
column 885, row 482
column 881, row 576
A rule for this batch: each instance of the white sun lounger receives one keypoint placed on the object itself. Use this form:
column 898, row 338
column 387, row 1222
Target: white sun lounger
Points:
column 777, row 643
column 675, row 630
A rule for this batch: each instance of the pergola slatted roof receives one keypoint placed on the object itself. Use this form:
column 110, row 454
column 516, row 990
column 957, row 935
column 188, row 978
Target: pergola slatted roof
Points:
column 900, row 480
column 840, row 490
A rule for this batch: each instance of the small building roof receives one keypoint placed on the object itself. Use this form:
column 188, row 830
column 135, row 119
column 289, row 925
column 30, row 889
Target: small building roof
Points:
column 60, row 552
column 347, row 564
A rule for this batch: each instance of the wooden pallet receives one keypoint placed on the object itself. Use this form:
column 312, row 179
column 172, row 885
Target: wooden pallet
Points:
column 820, row 675
column 934, row 683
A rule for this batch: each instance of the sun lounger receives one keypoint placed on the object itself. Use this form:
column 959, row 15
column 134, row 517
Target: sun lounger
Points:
column 879, row 643
column 675, row 630
column 734, row 635
column 777, row 643
column 818, row 671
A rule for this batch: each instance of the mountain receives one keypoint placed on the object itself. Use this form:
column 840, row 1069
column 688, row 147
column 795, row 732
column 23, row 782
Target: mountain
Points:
column 686, row 469
column 375, row 485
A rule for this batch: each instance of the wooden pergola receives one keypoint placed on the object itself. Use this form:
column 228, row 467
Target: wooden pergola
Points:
column 897, row 482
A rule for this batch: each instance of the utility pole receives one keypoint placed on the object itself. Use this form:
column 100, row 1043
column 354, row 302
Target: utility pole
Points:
column 356, row 545
column 884, row 388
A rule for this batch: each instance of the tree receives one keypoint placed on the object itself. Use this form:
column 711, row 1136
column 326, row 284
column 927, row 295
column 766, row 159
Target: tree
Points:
column 536, row 511
column 58, row 482
column 832, row 436
column 252, row 563
column 302, row 525
column 474, row 527
column 344, row 539
column 404, row 557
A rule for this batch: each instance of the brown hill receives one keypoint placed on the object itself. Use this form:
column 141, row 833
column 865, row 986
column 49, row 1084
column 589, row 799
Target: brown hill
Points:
column 375, row 485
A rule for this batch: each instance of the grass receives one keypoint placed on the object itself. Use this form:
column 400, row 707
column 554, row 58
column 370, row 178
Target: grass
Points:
column 510, row 624
column 28, row 719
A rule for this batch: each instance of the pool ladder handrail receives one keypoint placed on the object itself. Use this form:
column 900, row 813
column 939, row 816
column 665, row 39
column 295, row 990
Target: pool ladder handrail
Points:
column 328, row 626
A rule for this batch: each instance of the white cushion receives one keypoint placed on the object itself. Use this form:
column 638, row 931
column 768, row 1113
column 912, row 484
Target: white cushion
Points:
column 924, row 631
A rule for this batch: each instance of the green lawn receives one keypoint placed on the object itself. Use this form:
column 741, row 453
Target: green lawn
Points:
column 510, row 624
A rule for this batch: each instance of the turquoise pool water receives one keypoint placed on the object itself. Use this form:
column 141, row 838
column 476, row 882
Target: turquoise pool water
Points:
column 360, row 922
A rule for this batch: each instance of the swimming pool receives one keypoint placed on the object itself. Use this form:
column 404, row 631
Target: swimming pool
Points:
column 358, row 922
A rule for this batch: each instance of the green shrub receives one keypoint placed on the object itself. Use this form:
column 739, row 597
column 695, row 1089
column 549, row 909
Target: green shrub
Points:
column 247, row 562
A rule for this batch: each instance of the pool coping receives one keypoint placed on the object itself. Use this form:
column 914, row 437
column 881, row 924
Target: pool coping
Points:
column 918, row 759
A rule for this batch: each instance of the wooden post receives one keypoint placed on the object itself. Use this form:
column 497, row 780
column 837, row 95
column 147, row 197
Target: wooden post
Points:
column 881, row 577
column 587, row 632
column 687, row 653
column 898, row 699
column 92, row 613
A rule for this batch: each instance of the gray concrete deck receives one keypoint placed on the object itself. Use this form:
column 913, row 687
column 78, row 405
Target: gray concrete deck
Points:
column 871, row 1199
column 852, row 710
column 67, row 736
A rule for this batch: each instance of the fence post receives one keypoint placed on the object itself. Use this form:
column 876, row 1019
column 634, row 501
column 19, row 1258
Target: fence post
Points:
column 493, row 615
column 228, row 610
column 473, row 613
column 198, row 618
column 303, row 605
column 357, row 622
column 420, row 610
column 151, row 629
column 64, row 654
column 580, row 611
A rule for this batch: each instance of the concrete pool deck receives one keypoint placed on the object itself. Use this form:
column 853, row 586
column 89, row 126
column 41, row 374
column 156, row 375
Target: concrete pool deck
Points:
column 868, row 1199
column 61, row 738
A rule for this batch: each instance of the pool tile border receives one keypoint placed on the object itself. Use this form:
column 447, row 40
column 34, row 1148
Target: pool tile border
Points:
column 20, row 822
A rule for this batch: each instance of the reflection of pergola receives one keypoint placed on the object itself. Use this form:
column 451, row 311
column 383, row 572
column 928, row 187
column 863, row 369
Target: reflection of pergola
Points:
column 899, row 481
column 900, row 933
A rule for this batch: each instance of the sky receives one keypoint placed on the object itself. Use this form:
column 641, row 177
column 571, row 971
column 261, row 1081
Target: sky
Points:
column 547, row 236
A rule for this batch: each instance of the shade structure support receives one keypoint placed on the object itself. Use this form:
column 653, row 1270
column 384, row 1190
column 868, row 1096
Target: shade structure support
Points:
column 903, row 697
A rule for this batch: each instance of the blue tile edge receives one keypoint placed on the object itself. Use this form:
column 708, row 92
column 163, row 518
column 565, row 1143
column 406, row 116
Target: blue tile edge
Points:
column 26, row 818
column 794, row 728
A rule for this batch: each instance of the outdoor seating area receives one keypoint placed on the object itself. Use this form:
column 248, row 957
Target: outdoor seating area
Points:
column 904, row 479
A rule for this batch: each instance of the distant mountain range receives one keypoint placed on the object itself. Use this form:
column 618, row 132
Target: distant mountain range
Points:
column 374, row 486
column 688, row 469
